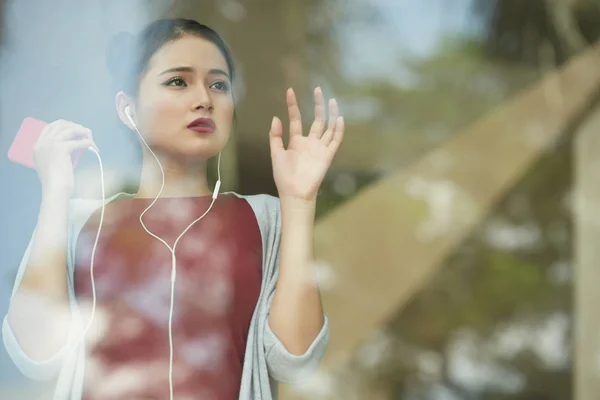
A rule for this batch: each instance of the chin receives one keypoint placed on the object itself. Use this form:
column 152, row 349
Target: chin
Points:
column 194, row 149
column 199, row 153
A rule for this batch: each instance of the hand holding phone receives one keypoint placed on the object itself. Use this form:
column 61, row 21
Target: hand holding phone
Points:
column 53, row 150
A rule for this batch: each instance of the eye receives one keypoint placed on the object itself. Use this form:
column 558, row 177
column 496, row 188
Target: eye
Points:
column 177, row 81
column 221, row 85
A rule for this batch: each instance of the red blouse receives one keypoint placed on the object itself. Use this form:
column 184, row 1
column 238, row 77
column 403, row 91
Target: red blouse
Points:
column 218, row 282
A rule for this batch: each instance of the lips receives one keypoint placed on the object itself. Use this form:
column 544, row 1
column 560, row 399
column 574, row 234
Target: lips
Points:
column 202, row 125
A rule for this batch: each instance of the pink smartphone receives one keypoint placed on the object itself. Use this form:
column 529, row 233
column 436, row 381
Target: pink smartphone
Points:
column 21, row 150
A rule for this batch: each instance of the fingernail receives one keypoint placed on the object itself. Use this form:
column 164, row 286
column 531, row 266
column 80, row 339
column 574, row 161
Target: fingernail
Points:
column 273, row 123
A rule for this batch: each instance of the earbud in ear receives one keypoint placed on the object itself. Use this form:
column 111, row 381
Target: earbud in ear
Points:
column 127, row 111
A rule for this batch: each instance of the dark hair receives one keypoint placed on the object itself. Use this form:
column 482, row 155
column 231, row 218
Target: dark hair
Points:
column 128, row 55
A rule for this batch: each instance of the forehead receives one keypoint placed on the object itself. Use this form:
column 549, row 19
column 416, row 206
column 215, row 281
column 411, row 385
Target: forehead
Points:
column 189, row 50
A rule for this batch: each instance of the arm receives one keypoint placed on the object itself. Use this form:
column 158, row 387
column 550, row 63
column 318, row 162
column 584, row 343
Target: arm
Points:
column 297, row 331
column 296, row 315
column 39, row 316
column 40, row 299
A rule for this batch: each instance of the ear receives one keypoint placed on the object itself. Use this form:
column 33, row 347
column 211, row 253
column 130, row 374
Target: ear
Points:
column 123, row 101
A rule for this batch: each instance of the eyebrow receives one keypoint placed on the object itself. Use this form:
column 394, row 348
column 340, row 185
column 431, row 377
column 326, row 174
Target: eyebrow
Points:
column 213, row 71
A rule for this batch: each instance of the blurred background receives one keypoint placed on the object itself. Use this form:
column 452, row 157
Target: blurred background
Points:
column 456, row 229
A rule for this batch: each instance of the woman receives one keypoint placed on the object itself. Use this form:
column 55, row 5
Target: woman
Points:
column 246, row 312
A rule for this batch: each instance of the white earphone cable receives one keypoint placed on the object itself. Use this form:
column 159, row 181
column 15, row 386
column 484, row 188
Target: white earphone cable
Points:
column 172, row 250
column 96, row 240
column 94, row 247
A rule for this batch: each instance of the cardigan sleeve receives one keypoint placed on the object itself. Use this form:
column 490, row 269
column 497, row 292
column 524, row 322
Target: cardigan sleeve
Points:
column 49, row 368
column 289, row 368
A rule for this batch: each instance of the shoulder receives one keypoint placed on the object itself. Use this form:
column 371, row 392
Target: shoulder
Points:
column 80, row 209
column 264, row 205
column 266, row 208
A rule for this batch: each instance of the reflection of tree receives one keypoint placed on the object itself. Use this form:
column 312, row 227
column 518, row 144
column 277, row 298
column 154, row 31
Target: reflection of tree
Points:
column 524, row 30
column 393, row 124
column 501, row 306
column 514, row 273
column 511, row 279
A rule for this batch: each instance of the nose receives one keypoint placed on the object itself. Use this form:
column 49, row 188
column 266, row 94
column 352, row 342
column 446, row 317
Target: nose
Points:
column 203, row 100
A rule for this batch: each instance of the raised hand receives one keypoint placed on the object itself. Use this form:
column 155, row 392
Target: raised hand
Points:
column 299, row 170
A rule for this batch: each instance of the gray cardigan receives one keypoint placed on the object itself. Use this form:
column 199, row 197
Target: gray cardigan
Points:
column 266, row 359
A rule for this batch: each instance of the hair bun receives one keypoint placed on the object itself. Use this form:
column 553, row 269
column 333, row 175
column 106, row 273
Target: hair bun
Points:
column 119, row 57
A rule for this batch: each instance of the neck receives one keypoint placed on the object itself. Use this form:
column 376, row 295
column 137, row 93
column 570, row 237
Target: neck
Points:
column 181, row 179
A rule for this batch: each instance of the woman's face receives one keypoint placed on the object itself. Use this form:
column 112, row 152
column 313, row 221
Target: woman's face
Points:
column 186, row 79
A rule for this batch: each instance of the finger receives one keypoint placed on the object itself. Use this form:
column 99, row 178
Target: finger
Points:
column 275, row 135
column 46, row 132
column 331, row 125
column 338, row 135
column 73, row 145
column 294, row 114
column 333, row 114
column 53, row 128
column 74, row 131
column 316, row 130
